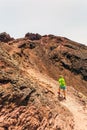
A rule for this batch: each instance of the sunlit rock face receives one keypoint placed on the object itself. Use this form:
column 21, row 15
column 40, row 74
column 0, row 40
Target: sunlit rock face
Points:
column 28, row 67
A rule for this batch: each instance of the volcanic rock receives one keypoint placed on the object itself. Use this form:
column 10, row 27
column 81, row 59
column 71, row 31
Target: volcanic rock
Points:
column 33, row 36
column 4, row 37
column 29, row 67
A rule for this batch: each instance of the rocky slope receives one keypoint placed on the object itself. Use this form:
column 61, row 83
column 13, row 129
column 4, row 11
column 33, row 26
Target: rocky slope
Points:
column 29, row 69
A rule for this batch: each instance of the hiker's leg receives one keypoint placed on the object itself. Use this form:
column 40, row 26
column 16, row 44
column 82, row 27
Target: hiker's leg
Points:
column 64, row 92
column 59, row 91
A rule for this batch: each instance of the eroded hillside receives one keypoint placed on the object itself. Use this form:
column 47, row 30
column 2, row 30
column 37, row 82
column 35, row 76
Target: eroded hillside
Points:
column 28, row 69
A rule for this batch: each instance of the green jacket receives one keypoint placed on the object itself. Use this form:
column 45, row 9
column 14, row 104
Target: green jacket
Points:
column 62, row 81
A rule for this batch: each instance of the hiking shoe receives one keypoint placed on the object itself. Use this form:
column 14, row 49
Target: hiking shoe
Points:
column 65, row 98
column 59, row 93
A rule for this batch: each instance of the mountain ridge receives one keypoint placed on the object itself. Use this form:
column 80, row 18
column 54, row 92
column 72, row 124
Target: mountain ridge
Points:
column 29, row 70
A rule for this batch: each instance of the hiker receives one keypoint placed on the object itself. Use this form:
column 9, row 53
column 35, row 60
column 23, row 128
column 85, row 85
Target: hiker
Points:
column 62, row 86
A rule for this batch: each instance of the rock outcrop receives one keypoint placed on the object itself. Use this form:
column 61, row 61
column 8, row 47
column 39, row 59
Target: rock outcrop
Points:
column 33, row 36
column 4, row 37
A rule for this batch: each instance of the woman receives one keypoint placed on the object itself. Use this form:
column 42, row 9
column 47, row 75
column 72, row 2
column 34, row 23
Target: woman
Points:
column 62, row 86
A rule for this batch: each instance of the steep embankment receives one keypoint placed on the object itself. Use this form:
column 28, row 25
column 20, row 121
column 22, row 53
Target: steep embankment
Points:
column 29, row 69
column 53, row 55
column 56, row 55
column 76, row 102
column 25, row 102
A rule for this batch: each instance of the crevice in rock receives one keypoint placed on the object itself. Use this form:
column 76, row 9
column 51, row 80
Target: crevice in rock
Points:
column 4, row 81
column 26, row 99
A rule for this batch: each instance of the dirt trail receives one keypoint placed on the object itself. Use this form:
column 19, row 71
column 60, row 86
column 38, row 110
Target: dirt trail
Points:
column 72, row 103
column 80, row 115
